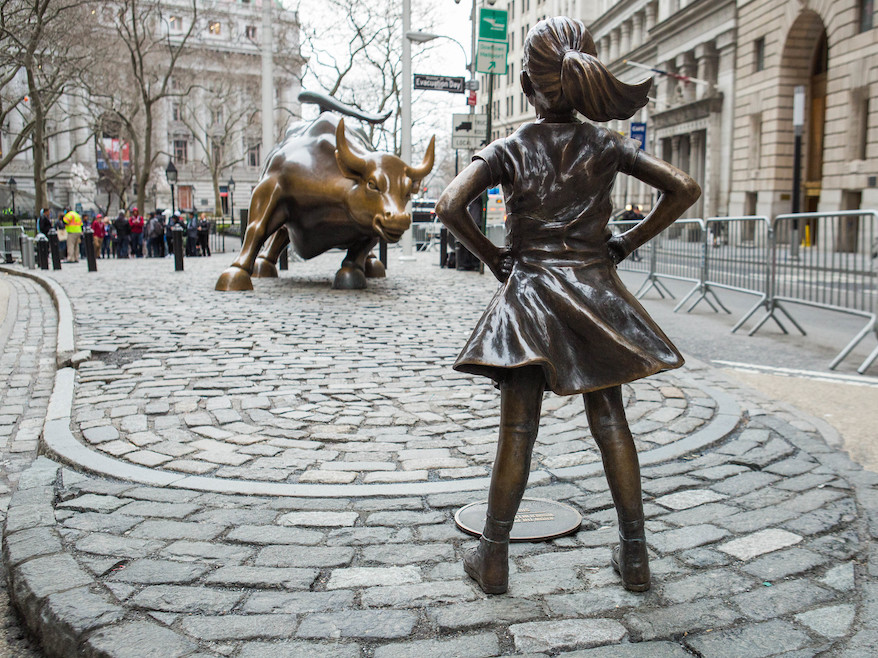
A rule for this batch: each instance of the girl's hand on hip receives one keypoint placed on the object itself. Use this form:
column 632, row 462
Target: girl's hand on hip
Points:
column 618, row 248
column 501, row 264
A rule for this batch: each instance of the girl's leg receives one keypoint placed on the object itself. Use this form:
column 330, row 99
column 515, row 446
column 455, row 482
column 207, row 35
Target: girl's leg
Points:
column 606, row 417
column 521, row 396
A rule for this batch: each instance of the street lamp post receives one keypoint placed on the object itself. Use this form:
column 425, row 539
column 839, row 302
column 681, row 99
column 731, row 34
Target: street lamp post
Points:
column 406, row 114
column 171, row 175
column 231, row 187
column 12, row 187
column 798, row 126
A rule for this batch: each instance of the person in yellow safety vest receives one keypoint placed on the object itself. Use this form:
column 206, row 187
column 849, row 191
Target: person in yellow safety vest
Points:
column 73, row 223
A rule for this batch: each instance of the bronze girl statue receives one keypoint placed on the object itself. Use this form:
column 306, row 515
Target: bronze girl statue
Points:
column 562, row 319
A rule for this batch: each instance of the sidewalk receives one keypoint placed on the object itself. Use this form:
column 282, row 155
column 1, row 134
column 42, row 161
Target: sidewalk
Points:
column 275, row 473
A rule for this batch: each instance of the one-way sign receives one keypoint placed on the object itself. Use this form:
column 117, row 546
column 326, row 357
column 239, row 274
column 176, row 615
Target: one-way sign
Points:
column 439, row 83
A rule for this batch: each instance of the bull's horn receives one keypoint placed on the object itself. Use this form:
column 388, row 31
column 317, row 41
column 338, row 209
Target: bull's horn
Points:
column 418, row 173
column 346, row 158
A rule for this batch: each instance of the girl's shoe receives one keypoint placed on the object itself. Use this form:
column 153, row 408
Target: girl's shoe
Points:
column 488, row 565
column 630, row 559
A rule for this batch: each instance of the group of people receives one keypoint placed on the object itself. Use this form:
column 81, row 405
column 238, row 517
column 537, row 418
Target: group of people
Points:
column 128, row 235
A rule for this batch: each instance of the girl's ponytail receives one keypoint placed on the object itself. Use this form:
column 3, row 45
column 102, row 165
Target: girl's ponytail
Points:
column 561, row 62
column 595, row 92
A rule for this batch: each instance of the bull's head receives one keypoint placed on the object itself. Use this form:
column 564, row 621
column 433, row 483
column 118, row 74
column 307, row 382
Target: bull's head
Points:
column 382, row 185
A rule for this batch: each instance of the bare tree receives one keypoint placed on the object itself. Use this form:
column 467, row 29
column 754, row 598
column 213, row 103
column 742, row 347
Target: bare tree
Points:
column 357, row 59
column 131, row 90
column 40, row 66
column 216, row 116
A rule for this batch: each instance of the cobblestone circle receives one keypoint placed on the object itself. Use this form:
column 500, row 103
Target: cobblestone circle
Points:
column 762, row 542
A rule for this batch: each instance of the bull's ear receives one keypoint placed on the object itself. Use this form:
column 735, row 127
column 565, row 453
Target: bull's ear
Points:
column 418, row 173
column 350, row 165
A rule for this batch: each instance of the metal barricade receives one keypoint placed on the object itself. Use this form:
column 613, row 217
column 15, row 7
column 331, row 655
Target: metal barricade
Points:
column 824, row 260
column 10, row 241
column 737, row 257
column 676, row 254
column 635, row 262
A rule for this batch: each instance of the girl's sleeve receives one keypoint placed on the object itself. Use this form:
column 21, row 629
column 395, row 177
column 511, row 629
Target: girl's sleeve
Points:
column 628, row 151
column 494, row 155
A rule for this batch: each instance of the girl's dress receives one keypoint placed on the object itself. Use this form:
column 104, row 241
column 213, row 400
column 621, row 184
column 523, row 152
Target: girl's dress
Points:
column 564, row 308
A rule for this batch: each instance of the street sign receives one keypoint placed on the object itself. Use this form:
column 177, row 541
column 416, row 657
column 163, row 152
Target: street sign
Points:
column 439, row 83
column 491, row 57
column 492, row 24
column 638, row 132
column 468, row 131
column 471, row 100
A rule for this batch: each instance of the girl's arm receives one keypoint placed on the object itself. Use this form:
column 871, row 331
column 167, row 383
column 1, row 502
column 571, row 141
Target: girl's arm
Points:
column 678, row 192
column 452, row 211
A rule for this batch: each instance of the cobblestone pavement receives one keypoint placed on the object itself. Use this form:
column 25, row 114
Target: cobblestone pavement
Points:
column 27, row 346
column 761, row 533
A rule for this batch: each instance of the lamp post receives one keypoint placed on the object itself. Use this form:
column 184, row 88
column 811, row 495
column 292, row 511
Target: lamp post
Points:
column 171, row 175
column 231, row 187
column 798, row 126
column 12, row 187
column 406, row 114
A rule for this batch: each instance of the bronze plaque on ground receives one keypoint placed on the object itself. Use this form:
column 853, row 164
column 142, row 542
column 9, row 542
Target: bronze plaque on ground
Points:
column 537, row 520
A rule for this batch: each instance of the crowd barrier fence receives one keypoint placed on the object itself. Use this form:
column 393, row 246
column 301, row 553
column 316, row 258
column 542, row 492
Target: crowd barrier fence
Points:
column 822, row 260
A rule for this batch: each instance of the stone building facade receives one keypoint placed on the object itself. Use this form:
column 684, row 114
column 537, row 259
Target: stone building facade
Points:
column 829, row 47
column 222, row 57
column 731, row 127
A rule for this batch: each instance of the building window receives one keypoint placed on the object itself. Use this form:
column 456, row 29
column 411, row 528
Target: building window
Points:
column 181, row 151
column 759, row 54
column 250, row 32
column 859, row 141
column 867, row 14
column 253, row 155
column 216, row 116
column 755, row 150
column 177, row 112
column 185, row 197
column 215, row 28
column 176, row 24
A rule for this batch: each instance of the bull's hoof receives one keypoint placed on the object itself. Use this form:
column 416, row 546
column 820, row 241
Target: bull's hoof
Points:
column 349, row 278
column 264, row 269
column 234, row 278
column 374, row 268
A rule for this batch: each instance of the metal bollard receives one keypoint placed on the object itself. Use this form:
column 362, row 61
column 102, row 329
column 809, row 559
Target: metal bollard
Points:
column 89, row 241
column 443, row 247
column 178, row 247
column 54, row 249
column 27, row 251
column 283, row 262
column 42, row 251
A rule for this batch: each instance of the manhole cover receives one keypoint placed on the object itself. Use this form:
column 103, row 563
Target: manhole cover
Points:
column 537, row 520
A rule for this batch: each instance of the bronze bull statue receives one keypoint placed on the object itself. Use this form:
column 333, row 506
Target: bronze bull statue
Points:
column 329, row 188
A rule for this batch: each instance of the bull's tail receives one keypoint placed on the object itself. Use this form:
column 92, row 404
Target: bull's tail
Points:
column 330, row 104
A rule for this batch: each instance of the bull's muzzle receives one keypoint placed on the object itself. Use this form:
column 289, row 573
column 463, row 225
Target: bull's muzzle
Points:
column 391, row 226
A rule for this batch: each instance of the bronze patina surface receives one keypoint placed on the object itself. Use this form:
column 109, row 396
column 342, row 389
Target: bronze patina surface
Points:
column 326, row 187
column 537, row 519
column 561, row 319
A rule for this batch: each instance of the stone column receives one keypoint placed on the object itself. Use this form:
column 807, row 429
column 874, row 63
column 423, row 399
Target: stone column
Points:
column 667, row 86
column 651, row 13
column 614, row 45
column 625, row 42
column 686, row 66
column 637, row 36
column 698, row 171
column 707, row 58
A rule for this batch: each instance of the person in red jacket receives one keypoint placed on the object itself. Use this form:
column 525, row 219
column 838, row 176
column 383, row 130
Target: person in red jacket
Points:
column 136, row 222
column 100, row 232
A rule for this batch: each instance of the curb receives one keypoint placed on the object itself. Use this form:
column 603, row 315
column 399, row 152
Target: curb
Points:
column 58, row 442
